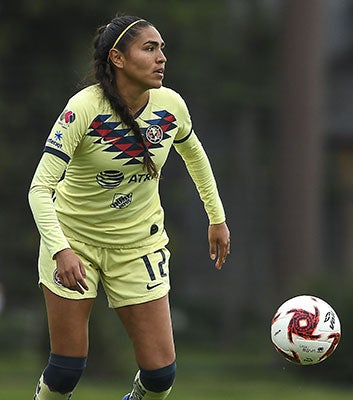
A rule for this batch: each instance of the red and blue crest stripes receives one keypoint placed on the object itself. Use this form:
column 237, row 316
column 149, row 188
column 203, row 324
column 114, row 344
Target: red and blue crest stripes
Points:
column 116, row 136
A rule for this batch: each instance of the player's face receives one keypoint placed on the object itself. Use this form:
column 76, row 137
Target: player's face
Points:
column 144, row 61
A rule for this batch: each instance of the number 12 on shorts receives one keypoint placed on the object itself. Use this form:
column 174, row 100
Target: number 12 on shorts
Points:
column 161, row 263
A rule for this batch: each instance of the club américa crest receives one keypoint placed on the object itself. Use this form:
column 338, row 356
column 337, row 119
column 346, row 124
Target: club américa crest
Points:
column 154, row 134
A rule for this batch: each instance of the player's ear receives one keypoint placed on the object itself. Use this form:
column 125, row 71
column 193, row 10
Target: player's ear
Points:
column 116, row 57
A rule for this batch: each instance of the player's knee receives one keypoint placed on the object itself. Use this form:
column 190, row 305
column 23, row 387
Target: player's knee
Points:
column 63, row 373
column 158, row 380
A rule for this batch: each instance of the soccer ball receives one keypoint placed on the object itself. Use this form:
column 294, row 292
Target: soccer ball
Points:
column 305, row 330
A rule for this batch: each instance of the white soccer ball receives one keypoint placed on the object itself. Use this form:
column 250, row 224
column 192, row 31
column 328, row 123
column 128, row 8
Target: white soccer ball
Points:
column 305, row 330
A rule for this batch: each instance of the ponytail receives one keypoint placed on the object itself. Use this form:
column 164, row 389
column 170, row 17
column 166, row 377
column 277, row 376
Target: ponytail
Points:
column 104, row 73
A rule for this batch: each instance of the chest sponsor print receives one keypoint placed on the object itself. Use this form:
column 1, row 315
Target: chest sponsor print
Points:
column 121, row 200
column 109, row 179
column 119, row 140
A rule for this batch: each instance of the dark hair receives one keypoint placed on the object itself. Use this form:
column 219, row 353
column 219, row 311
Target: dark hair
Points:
column 104, row 73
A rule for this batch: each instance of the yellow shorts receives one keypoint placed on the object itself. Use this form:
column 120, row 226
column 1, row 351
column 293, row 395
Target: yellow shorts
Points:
column 128, row 276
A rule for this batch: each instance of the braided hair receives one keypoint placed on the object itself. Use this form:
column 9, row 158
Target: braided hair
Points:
column 104, row 73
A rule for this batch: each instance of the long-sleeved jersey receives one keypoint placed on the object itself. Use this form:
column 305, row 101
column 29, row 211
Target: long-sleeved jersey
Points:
column 90, row 183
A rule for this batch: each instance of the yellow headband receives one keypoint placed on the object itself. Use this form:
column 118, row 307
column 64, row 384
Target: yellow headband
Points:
column 124, row 31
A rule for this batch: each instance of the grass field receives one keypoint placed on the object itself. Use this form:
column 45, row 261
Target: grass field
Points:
column 200, row 376
column 201, row 390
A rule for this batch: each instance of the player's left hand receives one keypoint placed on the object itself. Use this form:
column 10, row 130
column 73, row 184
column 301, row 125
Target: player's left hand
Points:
column 219, row 241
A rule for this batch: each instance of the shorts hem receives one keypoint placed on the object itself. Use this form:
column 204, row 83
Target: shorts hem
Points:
column 138, row 300
column 66, row 293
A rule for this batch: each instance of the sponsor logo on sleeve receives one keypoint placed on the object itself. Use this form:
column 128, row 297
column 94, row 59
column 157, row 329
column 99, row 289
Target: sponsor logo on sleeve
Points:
column 66, row 118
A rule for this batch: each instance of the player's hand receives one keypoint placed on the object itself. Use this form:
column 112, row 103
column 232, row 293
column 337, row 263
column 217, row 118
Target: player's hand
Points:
column 219, row 241
column 71, row 272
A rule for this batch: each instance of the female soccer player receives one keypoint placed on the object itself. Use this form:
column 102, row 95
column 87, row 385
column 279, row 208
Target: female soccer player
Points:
column 95, row 200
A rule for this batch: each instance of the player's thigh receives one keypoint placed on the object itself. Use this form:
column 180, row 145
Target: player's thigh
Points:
column 150, row 329
column 68, row 324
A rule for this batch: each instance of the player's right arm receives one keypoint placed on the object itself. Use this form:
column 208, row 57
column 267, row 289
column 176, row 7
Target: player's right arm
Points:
column 40, row 196
column 70, row 268
column 60, row 146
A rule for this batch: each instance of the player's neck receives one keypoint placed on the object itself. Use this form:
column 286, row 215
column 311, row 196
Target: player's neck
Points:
column 135, row 98
column 137, row 104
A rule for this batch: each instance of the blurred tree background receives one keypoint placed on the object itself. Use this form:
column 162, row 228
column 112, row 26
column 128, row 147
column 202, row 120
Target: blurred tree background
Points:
column 269, row 86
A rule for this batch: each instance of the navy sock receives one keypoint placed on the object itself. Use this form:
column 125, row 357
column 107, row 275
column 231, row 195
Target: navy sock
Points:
column 63, row 373
column 158, row 380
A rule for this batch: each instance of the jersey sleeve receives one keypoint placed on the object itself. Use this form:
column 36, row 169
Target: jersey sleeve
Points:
column 60, row 145
column 184, row 119
column 41, row 197
column 199, row 168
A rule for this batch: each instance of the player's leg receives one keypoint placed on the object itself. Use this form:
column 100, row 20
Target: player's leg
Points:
column 68, row 329
column 150, row 329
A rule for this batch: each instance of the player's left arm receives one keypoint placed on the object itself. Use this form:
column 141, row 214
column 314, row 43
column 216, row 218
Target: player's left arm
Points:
column 199, row 168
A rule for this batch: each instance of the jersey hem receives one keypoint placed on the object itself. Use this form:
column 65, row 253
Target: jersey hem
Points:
column 159, row 240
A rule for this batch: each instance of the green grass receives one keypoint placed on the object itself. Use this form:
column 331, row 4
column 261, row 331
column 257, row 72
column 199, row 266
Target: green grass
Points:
column 212, row 391
column 200, row 389
column 201, row 376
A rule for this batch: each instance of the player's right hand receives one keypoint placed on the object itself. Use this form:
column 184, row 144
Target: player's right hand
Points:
column 70, row 271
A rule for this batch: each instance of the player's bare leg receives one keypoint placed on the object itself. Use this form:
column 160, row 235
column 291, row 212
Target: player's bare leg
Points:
column 68, row 329
column 150, row 329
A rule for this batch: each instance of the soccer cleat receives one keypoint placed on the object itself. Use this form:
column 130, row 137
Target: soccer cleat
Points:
column 126, row 397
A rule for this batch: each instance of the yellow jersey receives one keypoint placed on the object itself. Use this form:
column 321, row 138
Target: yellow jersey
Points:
column 90, row 184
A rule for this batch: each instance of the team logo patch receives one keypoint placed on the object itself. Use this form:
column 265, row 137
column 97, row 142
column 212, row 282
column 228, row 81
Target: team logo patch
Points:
column 154, row 134
column 66, row 118
column 56, row 279
column 109, row 179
